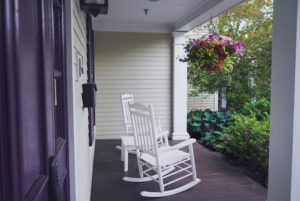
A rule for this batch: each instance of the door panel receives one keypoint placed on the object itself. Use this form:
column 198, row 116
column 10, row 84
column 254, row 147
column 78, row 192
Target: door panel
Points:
column 27, row 73
column 34, row 154
column 60, row 99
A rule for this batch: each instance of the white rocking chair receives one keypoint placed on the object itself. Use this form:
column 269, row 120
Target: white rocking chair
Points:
column 164, row 161
column 128, row 140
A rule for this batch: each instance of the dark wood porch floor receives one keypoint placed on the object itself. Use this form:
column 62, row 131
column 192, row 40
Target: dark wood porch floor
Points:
column 220, row 181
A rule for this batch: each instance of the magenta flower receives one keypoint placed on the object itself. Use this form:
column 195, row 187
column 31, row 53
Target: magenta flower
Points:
column 202, row 43
column 242, row 44
column 195, row 42
column 233, row 50
column 216, row 34
column 210, row 37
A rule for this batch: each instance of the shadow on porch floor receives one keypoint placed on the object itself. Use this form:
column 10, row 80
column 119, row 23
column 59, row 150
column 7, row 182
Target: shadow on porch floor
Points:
column 220, row 181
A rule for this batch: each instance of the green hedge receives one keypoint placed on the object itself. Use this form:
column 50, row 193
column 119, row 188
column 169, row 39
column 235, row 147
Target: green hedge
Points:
column 207, row 126
column 247, row 142
column 260, row 108
column 242, row 137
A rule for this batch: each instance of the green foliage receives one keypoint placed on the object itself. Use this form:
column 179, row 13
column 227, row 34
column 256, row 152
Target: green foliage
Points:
column 250, row 22
column 207, row 126
column 247, row 141
column 260, row 108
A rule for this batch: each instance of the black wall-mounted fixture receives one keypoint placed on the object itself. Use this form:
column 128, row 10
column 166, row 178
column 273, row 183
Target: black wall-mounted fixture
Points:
column 89, row 95
column 94, row 7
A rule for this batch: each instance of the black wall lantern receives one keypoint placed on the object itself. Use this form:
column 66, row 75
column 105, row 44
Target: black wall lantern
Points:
column 94, row 7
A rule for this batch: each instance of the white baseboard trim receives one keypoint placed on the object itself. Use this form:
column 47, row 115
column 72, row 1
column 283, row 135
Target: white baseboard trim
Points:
column 180, row 136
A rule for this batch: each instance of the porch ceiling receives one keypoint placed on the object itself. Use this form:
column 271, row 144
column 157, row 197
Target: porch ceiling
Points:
column 163, row 15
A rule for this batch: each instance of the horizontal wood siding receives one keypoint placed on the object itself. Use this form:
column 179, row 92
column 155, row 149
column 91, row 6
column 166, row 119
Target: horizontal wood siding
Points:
column 84, row 154
column 202, row 101
column 131, row 62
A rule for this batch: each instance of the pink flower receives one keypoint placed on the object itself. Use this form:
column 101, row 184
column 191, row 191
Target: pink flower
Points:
column 210, row 37
column 202, row 43
column 216, row 34
column 195, row 42
column 233, row 50
column 242, row 44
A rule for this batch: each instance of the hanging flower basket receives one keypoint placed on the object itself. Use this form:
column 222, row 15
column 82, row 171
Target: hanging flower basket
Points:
column 212, row 53
column 215, row 66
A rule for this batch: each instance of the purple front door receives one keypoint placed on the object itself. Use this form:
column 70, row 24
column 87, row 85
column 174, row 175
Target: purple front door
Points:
column 60, row 186
column 33, row 123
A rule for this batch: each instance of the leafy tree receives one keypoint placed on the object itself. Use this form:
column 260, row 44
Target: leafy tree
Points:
column 250, row 22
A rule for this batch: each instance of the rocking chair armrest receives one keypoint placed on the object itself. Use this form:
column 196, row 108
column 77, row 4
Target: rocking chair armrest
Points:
column 163, row 133
column 157, row 121
column 183, row 144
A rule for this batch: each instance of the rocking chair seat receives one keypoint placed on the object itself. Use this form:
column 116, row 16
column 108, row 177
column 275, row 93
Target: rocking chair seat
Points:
column 128, row 141
column 166, row 157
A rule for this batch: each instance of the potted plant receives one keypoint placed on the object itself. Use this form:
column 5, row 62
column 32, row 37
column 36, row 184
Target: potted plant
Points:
column 213, row 52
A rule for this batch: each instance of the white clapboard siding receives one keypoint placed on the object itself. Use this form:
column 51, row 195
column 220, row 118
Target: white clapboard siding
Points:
column 202, row 101
column 131, row 62
column 83, row 154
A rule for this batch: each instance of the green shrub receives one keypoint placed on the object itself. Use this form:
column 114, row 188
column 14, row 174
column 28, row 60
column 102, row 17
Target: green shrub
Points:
column 260, row 108
column 247, row 141
column 207, row 126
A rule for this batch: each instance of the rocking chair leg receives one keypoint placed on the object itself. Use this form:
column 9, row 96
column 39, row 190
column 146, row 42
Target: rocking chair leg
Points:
column 160, row 179
column 122, row 152
column 193, row 162
column 125, row 160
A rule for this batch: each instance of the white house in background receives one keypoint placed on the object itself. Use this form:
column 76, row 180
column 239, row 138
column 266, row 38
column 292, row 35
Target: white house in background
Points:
column 202, row 101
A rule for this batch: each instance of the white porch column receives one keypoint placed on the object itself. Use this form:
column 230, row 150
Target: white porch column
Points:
column 284, row 170
column 179, row 89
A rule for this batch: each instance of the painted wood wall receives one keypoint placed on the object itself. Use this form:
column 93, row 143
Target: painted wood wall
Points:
column 139, row 63
column 202, row 101
column 84, row 155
